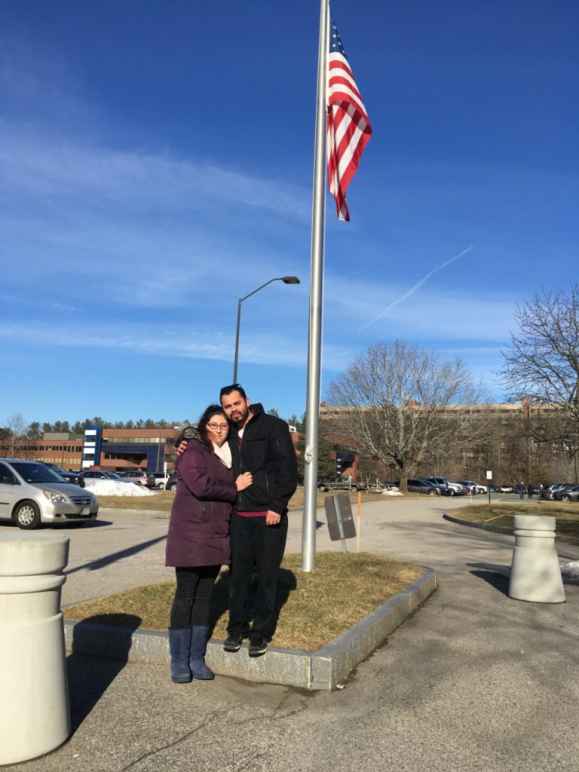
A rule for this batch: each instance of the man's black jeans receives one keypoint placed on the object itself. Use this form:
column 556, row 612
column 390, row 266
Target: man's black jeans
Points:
column 257, row 547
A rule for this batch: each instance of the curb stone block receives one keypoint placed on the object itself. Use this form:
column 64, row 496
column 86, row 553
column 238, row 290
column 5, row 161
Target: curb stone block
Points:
column 323, row 669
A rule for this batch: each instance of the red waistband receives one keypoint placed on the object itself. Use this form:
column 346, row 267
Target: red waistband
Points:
column 251, row 514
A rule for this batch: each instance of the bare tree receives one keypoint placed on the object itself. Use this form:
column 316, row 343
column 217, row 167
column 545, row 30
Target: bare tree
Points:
column 397, row 403
column 543, row 363
column 17, row 427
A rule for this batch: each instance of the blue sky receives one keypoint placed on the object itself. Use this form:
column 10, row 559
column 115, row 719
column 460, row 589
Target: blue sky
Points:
column 156, row 163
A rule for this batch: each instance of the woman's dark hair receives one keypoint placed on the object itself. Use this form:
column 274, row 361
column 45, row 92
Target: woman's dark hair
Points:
column 208, row 414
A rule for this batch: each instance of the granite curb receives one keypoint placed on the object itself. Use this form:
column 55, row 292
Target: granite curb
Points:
column 111, row 511
column 480, row 526
column 324, row 669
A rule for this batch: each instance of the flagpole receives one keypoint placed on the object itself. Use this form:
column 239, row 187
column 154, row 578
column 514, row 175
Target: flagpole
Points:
column 316, row 301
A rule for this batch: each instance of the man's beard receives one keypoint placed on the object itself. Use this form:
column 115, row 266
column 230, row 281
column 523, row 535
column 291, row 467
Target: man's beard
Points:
column 243, row 417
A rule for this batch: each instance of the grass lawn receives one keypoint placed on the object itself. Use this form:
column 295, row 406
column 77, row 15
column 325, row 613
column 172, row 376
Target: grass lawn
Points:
column 501, row 515
column 162, row 502
column 313, row 608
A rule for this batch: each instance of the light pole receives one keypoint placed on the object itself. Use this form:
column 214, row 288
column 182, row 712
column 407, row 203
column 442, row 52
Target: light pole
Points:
column 286, row 280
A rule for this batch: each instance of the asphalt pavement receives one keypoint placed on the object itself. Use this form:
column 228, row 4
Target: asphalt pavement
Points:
column 473, row 681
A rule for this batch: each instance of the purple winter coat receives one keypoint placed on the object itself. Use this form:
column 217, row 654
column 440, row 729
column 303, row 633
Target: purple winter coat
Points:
column 199, row 527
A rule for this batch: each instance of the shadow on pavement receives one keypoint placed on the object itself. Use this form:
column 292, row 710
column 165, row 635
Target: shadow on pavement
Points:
column 80, row 525
column 287, row 583
column 496, row 575
column 88, row 677
column 94, row 565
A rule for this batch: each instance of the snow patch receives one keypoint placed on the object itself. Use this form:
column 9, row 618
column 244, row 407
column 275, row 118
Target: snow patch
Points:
column 115, row 488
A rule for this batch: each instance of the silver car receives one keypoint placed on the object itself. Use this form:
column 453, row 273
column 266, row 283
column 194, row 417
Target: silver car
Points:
column 32, row 494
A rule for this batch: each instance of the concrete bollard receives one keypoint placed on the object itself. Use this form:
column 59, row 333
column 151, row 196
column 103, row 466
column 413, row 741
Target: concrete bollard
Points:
column 535, row 570
column 34, row 703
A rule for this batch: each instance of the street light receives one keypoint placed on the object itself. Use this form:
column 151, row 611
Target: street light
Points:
column 286, row 280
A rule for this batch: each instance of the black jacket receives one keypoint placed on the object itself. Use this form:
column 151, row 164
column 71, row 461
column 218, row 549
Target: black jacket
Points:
column 265, row 450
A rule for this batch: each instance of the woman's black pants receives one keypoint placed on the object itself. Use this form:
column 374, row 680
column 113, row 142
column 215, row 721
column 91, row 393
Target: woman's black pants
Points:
column 192, row 601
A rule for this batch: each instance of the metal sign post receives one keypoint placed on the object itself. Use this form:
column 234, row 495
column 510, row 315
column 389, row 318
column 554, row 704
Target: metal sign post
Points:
column 489, row 478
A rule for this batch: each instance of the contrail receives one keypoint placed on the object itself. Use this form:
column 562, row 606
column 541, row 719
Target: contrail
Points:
column 416, row 287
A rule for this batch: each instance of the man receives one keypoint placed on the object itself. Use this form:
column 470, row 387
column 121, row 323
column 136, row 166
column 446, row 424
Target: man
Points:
column 260, row 444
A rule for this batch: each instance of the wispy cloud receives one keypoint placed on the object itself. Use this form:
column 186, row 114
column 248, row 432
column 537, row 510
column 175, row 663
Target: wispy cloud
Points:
column 46, row 165
column 150, row 229
column 176, row 341
column 436, row 314
column 416, row 287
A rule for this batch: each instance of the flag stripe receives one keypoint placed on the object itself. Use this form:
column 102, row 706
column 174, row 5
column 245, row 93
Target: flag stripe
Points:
column 348, row 129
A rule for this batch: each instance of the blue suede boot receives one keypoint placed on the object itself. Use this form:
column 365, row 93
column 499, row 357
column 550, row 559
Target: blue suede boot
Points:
column 199, row 638
column 180, row 648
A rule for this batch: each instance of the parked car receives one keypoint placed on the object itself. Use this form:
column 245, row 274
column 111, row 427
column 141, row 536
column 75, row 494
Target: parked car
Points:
column 32, row 494
column 171, row 483
column 75, row 478
column 137, row 476
column 456, row 489
column 98, row 474
column 469, row 486
column 421, row 486
column 340, row 484
column 556, row 488
column 506, row 489
column 446, row 487
column 95, row 474
column 568, row 493
column 157, row 481
column 440, row 483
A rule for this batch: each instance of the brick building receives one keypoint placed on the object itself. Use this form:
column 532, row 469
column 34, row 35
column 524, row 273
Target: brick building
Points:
column 518, row 441
column 122, row 449
column 147, row 449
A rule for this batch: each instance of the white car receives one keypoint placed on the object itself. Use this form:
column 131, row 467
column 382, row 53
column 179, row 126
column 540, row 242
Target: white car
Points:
column 456, row 489
column 469, row 485
column 158, row 481
column 137, row 476
column 32, row 494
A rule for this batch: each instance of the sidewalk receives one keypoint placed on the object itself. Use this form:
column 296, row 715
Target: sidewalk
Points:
column 474, row 681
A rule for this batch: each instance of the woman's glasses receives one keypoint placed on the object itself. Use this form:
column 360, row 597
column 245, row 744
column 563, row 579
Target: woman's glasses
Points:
column 218, row 427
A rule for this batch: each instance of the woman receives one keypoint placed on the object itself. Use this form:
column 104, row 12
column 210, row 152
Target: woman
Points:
column 198, row 539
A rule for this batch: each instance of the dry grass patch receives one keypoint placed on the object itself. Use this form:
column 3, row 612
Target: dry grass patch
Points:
column 162, row 502
column 159, row 502
column 501, row 515
column 313, row 608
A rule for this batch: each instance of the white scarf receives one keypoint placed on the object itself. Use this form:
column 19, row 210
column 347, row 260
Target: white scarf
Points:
column 224, row 453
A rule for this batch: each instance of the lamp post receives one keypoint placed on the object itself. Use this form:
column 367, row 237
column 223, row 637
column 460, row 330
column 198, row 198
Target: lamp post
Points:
column 286, row 280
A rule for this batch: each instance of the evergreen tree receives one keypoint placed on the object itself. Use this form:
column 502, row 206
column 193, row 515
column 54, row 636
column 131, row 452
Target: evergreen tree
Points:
column 34, row 431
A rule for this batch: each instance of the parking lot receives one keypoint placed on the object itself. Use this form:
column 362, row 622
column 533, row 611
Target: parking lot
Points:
column 471, row 663
column 125, row 548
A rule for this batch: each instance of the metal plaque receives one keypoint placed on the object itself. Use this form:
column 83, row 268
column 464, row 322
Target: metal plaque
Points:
column 339, row 517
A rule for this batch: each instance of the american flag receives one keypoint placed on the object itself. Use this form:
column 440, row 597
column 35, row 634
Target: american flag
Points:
column 349, row 127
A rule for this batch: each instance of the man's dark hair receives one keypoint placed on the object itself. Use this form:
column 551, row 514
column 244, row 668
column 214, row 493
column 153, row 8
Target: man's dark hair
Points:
column 230, row 389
